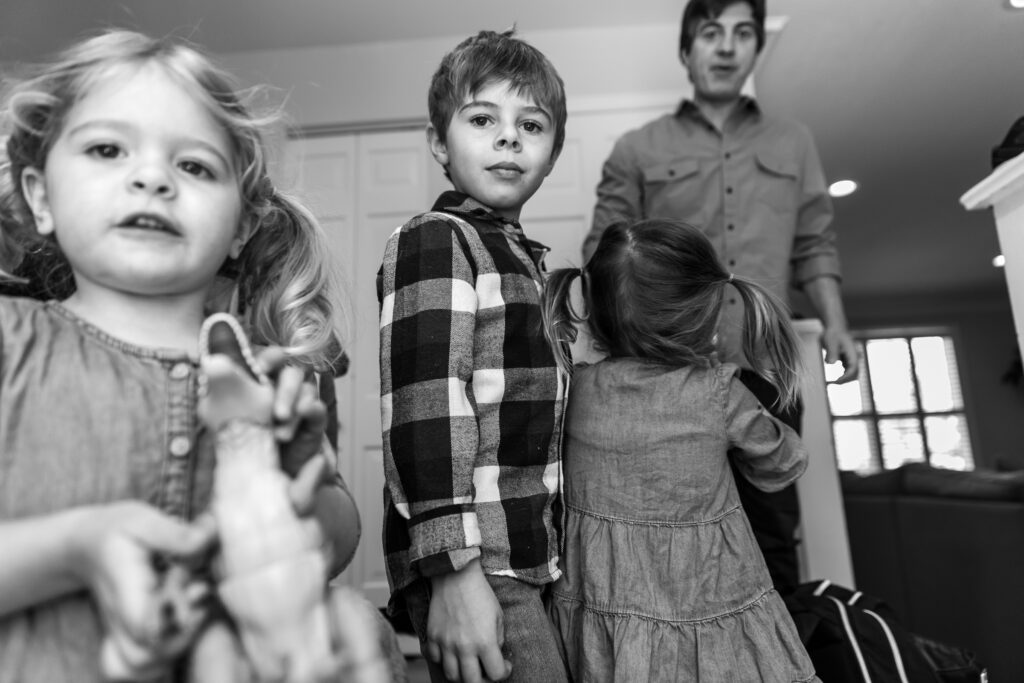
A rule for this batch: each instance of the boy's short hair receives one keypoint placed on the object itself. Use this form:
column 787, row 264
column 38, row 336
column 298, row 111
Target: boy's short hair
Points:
column 490, row 57
column 701, row 10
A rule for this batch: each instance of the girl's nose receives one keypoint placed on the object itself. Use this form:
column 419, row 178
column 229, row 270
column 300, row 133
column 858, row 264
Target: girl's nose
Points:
column 152, row 178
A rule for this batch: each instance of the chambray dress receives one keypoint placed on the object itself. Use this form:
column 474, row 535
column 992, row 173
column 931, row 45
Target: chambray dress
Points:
column 86, row 418
column 663, row 578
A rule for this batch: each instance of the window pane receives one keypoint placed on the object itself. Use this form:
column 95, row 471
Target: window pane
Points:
column 948, row 442
column 855, row 449
column 891, row 383
column 937, row 375
column 901, row 441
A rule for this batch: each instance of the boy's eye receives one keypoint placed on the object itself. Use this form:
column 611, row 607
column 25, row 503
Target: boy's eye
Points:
column 479, row 120
column 746, row 33
column 709, row 33
column 104, row 150
column 195, row 168
column 532, row 127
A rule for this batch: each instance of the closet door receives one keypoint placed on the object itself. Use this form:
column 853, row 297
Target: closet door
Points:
column 362, row 187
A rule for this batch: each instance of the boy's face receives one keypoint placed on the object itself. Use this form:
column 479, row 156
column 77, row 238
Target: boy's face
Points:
column 723, row 53
column 498, row 148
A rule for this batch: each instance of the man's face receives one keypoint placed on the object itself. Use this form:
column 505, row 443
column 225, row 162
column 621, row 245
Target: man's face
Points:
column 722, row 55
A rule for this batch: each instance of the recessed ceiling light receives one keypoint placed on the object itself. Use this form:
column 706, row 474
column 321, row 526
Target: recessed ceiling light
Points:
column 1017, row 4
column 999, row 261
column 841, row 188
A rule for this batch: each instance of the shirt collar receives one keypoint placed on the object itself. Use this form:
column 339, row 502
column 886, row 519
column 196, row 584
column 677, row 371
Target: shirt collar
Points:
column 456, row 202
column 747, row 107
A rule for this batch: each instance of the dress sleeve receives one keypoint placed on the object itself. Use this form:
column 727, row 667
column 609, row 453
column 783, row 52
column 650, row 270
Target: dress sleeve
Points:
column 427, row 322
column 814, row 243
column 768, row 453
column 619, row 193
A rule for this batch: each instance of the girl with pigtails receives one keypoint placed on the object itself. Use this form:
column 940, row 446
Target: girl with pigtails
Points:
column 133, row 180
column 663, row 580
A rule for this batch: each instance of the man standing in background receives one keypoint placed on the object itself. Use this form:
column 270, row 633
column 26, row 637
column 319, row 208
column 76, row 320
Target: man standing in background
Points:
column 755, row 186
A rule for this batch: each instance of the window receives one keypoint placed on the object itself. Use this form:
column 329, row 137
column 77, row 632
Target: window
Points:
column 905, row 406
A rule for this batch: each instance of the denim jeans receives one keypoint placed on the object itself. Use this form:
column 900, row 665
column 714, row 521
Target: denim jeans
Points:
column 529, row 635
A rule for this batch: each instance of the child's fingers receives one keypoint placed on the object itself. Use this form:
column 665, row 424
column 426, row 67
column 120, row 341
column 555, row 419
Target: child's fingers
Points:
column 302, row 490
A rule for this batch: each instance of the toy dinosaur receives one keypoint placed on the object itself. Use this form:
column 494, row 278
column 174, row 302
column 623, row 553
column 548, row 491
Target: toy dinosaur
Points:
column 273, row 575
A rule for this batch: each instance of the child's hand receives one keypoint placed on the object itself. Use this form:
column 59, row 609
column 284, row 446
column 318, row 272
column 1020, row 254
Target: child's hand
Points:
column 150, row 616
column 300, row 417
column 465, row 628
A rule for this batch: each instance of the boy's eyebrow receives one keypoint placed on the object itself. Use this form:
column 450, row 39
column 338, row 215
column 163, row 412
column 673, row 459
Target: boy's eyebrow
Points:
column 529, row 109
column 125, row 127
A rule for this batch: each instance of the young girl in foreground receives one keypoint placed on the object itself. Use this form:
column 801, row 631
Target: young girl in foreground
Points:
column 663, row 579
column 134, row 169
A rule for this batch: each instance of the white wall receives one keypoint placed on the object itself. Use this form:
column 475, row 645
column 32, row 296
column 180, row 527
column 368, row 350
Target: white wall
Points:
column 347, row 86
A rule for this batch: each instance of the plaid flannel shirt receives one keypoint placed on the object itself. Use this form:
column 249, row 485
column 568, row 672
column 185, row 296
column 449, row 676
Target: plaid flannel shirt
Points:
column 471, row 399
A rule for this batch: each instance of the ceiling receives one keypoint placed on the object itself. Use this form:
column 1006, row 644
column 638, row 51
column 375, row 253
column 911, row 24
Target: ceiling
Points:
column 905, row 96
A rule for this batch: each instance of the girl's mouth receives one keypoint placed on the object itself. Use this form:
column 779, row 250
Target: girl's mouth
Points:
column 149, row 221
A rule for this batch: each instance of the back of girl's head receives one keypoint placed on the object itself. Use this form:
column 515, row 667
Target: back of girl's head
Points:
column 285, row 280
column 654, row 289
column 492, row 57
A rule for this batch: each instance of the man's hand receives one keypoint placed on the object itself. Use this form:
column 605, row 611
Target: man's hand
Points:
column 465, row 630
column 840, row 346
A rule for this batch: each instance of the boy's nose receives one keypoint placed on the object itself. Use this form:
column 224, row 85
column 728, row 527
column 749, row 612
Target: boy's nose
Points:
column 508, row 137
column 727, row 43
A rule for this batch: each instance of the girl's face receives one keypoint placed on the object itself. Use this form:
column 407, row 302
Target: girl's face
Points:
column 140, row 188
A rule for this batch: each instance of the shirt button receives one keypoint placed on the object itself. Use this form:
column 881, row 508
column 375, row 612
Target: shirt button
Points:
column 732, row 300
column 179, row 371
column 180, row 446
column 728, row 190
column 728, row 155
column 671, row 172
column 732, row 227
column 732, row 262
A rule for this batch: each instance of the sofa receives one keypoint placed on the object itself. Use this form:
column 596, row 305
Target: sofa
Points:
column 945, row 550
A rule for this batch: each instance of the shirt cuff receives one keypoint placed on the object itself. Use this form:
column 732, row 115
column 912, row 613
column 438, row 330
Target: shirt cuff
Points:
column 444, row 542
column 811, row 270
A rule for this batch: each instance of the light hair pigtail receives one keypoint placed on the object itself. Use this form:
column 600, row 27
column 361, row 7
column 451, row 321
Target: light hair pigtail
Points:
column 769, row 341
column 558, row 315
column 289, row 285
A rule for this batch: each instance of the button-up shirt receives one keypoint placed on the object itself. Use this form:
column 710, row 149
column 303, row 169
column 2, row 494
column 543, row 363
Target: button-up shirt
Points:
column 756, row 189
column 471, row 399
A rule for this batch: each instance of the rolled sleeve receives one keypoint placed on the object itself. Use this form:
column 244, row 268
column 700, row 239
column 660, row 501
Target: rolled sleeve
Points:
column 619, row 193
column 814, row 244
column 428, row 309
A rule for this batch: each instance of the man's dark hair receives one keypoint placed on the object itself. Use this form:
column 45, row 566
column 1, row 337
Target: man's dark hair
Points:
column 490, row 57
column 702, row 10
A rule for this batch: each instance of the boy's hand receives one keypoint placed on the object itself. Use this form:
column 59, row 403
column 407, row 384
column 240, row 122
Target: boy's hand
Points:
column 465, row 629
column 150, row 616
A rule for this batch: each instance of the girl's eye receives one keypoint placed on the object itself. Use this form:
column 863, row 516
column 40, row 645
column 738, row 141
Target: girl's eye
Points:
column 195, row 168
column 479, row 120
column 104, row 150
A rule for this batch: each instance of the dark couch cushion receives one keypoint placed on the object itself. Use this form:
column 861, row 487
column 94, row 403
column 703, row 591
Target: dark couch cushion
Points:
column 922, row 480
column 887, row 483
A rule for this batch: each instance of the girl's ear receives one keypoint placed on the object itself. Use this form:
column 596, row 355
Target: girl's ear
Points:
column 438, row 148
column 247, row 227
column 33, row 188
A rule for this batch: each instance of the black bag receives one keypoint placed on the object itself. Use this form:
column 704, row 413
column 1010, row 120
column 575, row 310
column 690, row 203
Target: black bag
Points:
column 855, row 638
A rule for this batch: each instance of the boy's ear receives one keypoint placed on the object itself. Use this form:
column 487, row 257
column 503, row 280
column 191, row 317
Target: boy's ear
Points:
column 437, row 148
column 33, row 188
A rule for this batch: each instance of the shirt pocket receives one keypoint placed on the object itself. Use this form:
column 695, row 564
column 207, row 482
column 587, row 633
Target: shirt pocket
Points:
column 674, row 190
column 778, row 182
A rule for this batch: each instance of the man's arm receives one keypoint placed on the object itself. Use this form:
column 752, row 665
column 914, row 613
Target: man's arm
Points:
column 816, row 262
column 619, row 194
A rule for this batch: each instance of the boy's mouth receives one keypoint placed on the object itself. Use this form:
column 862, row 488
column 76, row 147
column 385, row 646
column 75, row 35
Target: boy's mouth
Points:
column 506, row 169
column 149, row 221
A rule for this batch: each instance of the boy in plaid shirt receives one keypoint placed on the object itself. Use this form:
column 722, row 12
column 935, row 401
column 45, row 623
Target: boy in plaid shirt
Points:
column 471, row 397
